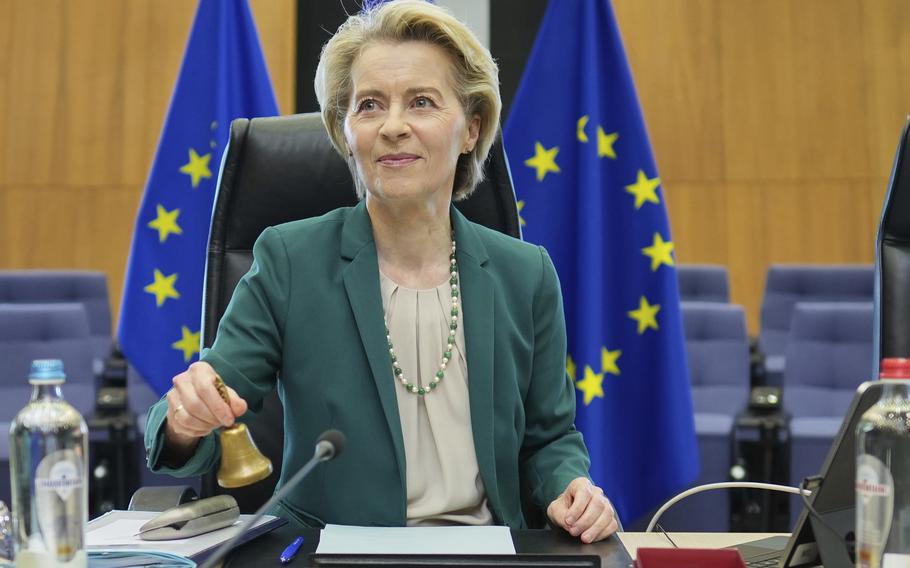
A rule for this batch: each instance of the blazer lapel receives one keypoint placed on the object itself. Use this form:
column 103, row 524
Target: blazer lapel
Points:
column 477, row 306
column 361, row 282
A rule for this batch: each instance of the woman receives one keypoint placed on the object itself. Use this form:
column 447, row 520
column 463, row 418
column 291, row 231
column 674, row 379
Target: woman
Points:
column 438, row 346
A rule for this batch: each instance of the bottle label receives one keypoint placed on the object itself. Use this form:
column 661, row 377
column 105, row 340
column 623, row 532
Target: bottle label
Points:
column 874, row 508
column 63, row 478
column 59, row 503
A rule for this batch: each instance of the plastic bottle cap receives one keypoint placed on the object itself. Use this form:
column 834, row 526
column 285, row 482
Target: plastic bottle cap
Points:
column 895, row 368
column 46, row 372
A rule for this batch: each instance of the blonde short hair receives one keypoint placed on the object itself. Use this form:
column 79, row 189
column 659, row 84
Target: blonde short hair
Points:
column 476, row 75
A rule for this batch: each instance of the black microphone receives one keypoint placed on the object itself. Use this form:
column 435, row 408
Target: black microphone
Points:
column 329, row 446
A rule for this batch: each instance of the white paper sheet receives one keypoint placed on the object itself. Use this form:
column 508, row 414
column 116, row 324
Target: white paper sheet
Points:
column 891, row 560
column 340, row 539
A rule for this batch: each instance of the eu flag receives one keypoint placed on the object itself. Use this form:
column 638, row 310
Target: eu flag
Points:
column 223, row 76
column 589, row 191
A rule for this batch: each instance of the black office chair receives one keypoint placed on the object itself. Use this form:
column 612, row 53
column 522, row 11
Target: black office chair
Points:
column 892, row 298
column 281, row 169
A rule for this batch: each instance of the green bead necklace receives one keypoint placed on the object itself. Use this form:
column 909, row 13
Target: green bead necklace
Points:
column 450, row 342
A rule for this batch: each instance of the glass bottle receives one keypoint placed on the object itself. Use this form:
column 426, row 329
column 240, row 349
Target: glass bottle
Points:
column 49, row 474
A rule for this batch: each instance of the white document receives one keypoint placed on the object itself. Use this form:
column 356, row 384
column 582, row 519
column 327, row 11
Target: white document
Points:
column 340, row 539
column 892, row 560
column 117, row 529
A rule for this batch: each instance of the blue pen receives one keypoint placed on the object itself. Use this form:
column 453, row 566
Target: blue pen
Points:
column 291, row 551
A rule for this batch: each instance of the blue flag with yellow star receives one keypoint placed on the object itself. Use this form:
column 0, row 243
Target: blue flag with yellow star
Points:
column 223, row 77
column 589, row 192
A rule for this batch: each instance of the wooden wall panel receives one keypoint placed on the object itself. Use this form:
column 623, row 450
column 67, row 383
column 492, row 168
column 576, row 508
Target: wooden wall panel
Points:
column 693, row 205
column 746, row 230
column 759, row 119
column 155, row 41
column 678, row 47
column 84, row 89
column 886, row 66
column 276, row 23
column 64, row 226
column 6, row 36
column 830, row 90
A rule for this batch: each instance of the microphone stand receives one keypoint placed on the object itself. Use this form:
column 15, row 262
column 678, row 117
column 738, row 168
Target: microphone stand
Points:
column 324, row 452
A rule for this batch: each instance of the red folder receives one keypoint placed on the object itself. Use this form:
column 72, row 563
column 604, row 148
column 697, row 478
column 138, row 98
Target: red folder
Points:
column 688, row 558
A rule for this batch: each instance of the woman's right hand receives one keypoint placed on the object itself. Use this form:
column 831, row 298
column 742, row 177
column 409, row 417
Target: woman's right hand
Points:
column 194, row 407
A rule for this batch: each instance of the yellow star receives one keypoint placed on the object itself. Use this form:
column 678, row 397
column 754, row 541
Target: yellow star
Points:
column 608, row 361
column 198, row 167
column 605, row 143
column 661, row 252
column 189, row 343
column 570, row 367
column 645, row 315
column 591, row 385
column 580, row 129
column 163, row 287
column 521, row 205
column 544, row 161
column 166, row 223
column 644, row 189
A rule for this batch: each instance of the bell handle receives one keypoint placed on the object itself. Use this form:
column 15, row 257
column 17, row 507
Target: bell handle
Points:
column 221, row 388
column 223, row 392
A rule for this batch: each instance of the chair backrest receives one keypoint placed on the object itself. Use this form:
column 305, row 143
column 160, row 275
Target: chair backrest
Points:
column 828, row 356
column 893, row 260
column 45, row 331
column 717, row 348
column 788, row 284
column 280, row 169
column 65, row 286
column 703, row 283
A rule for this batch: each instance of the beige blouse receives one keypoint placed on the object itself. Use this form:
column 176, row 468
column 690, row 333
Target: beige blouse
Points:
column 444, row 484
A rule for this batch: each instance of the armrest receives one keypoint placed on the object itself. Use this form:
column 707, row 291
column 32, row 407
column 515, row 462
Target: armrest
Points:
column 161, row 498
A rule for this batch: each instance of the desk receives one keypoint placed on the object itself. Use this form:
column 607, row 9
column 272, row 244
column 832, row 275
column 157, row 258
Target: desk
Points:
column 264, row 550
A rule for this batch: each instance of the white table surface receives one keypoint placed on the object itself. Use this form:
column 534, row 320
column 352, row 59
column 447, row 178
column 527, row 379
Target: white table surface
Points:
column 633, row 541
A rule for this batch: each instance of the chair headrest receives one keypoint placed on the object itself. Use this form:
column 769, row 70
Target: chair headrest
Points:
column 893, row 282
column 280, row 169
column 276, row 170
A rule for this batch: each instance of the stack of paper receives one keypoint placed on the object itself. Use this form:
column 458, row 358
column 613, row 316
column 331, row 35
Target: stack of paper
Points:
column 119, row 529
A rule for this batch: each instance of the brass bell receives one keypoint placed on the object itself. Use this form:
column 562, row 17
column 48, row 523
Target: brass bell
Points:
column 241, row 461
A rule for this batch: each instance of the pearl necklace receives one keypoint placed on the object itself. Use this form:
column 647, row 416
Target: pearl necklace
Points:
column 450, row 342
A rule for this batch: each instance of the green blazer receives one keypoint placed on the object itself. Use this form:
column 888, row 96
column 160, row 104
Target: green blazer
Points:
column 308, row 317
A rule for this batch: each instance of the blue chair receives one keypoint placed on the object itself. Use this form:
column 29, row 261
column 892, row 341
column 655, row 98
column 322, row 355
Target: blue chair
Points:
column 703, row 283
column 717, row 348
column 41, row 331
column 829, row 354
column 89, row 289
column 787, row 285
column 64, row 286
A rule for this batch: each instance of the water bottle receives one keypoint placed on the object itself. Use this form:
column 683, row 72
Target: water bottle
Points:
column 49, row 474
column 883, row 471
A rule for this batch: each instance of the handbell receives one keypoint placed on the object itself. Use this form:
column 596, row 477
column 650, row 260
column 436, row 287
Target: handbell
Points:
column 241, row 461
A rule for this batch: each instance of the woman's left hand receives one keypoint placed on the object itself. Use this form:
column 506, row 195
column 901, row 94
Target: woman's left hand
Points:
column 583, row 511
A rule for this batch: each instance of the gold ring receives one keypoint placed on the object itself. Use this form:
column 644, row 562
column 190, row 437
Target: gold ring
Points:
column 178, row 409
